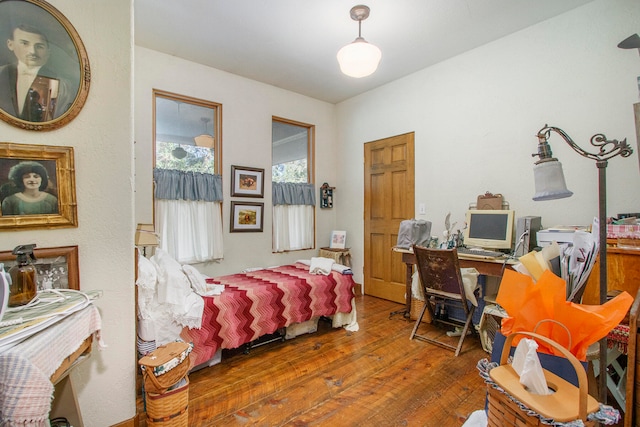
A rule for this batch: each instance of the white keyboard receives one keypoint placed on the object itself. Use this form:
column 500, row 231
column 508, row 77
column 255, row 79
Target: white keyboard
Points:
column 480, row 253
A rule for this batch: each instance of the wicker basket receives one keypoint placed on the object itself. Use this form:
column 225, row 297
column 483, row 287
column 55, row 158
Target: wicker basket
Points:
column 161, row 383
column 561, row 404
column 165, row 366
column 416, row 308
column 170, row 409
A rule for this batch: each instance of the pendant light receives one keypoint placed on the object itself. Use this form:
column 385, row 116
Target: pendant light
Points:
column 359, row 58
column 204, row 139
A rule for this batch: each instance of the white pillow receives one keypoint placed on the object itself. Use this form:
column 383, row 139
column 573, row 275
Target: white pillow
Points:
column 198, row 283
column 147, row 275
column 173, row 285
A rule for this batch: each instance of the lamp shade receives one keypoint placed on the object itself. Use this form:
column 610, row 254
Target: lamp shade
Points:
column 359, row 58
column 549, row 181
column 146, row 235
column 204, row 140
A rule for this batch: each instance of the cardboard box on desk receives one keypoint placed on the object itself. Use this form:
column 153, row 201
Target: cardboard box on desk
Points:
column 489, row 201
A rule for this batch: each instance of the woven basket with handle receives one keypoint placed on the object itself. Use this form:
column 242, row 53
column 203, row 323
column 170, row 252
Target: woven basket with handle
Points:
column 566, row 403
column 169, row 409
column 175, row 355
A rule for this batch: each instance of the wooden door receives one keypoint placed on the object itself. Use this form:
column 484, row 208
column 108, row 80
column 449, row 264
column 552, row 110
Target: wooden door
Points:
column 388, row 199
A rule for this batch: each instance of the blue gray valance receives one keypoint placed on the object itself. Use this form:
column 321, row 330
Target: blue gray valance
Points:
column 288, row 193
column 179, row 185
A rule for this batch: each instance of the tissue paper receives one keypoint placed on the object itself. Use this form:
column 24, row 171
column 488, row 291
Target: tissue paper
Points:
column 527, row 364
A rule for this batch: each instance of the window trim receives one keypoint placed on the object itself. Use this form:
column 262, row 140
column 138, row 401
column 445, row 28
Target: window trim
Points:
column 311, row 137
column 311, row 168
column 217, row 115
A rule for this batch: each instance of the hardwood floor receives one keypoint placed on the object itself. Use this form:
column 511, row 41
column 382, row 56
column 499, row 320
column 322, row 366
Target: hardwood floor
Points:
column 373, row 377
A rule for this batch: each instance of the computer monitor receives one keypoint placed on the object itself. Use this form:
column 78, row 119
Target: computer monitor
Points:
column 489, row 229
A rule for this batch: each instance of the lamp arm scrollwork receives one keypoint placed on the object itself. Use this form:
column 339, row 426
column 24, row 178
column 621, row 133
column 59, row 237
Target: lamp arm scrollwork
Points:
column 607, row 149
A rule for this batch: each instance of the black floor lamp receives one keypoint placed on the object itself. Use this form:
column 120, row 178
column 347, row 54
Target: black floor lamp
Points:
column 550, row 185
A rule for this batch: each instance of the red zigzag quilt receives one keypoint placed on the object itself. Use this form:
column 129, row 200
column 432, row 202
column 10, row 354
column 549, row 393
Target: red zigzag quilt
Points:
column 260, row 302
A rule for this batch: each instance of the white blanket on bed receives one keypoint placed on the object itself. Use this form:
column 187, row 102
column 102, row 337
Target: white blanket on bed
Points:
column 342, row 269
column 321, row 265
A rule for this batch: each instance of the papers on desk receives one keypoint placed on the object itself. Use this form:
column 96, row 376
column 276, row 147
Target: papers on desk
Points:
column 52, row 307
column 573, row 263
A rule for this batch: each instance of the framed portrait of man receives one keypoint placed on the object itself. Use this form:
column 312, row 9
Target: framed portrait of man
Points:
column 44, row 67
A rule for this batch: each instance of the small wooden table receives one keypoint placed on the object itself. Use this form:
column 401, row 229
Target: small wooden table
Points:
column 341, row 256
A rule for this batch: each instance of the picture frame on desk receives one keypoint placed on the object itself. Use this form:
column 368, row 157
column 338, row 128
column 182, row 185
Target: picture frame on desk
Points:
column 338, row 239
column 56, row 268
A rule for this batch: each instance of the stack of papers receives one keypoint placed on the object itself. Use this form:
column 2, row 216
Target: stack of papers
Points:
column 572, row 262
column 577, row 263
column 52, row 307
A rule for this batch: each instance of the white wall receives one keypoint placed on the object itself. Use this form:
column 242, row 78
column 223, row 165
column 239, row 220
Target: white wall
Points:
column 101, row 136
column 247, row 109
column 475, row 118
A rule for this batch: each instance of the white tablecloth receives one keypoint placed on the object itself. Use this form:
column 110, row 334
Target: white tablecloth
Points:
column 26, row 391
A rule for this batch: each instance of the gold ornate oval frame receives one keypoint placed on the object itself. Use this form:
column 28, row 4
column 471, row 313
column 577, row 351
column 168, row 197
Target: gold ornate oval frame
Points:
column 68, row 59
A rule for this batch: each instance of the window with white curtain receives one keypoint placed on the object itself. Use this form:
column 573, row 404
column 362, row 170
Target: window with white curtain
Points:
column 187, row 180
column 292, row 185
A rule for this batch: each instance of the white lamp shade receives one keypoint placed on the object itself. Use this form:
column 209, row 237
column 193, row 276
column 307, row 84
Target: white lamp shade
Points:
column 359, row 59
column 549, row 181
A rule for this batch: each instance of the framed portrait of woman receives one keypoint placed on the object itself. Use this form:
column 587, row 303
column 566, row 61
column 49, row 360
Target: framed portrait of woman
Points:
column 44, row 67
column 37, row 187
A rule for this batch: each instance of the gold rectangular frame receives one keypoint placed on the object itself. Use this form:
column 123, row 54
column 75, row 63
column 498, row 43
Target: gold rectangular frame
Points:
column 69, row 253
column 67, row 216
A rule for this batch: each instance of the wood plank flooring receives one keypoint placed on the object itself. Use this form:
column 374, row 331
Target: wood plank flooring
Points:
column 373, row 377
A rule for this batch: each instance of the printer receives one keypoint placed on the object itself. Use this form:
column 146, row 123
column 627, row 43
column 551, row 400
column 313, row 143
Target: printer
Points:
column 560, row 234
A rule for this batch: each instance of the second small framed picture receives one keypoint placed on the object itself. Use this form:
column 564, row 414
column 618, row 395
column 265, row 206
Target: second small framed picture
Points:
column 56, row 268
column 338, row 239
column 247, row 216
column 247, row 182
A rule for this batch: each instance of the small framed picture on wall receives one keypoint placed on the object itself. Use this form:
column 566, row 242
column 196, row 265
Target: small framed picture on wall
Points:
column 247, row 216
column 247, row 182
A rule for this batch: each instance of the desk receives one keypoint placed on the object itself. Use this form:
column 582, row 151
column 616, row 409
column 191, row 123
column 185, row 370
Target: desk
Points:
column 623, row 273
column 486, row 267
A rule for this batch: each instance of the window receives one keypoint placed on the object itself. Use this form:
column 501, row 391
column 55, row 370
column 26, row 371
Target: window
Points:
column 187, row 180
column 293, row 192
column 187, row 133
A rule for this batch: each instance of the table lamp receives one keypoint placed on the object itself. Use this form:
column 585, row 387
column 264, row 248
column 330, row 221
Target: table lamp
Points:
column 550, row 185
column 146, row 236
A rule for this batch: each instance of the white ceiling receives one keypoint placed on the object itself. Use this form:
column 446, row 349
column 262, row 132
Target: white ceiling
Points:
column 292, row 44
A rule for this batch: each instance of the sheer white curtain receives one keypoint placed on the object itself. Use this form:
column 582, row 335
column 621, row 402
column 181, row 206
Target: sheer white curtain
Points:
column 191, row 231
column 292, row 227
column 188, row 215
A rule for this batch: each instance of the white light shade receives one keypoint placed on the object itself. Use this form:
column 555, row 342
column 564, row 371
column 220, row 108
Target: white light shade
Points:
column 359, row 59
column 549, row 181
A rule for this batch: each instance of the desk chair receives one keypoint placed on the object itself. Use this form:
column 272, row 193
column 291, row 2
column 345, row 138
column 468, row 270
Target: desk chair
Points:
column 441, row 282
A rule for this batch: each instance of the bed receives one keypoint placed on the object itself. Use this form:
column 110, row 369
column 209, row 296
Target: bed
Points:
column 250, row 305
